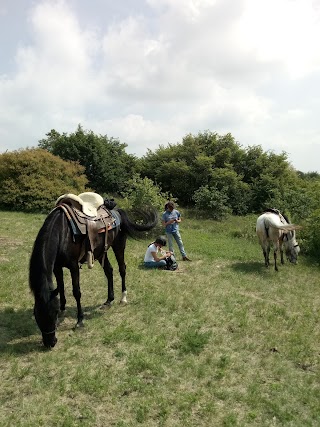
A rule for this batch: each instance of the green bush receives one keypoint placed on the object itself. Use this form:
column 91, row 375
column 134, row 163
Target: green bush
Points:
column 32, row 179
column 310, row 235
column 143, row 192
column 107, row 166
column 212, row 202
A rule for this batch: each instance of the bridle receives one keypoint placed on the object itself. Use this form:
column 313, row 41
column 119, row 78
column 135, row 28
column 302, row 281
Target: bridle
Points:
column 285, row 237
column 48, row 333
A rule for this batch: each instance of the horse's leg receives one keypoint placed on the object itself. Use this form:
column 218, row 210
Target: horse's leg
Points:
column 266, row 252
column 58, row 272
column 108, row 271
column 281, row 250
column 118, row 249
column 275, row 260
column 265, row 257
column 275, row 253
column 75, row 277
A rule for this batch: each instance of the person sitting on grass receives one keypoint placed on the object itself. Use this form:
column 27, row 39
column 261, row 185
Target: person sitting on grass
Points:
column 154, row 257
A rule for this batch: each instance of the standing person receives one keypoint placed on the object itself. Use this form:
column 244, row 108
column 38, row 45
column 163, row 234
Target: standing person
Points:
column 154, row 257
column 171, row 219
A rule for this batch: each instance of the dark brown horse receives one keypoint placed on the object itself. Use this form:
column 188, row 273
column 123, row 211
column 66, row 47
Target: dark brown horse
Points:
column 56, row 247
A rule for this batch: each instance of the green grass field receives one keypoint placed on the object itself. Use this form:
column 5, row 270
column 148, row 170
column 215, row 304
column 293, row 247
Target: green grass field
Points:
column 222, row 342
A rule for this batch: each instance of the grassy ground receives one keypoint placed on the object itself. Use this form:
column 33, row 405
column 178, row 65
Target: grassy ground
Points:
column 222, row 342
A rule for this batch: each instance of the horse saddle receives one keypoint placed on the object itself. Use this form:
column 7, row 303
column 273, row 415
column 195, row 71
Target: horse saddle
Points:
column 283, row 219
column 277, row 212
column 87, row 216
column 272, row 210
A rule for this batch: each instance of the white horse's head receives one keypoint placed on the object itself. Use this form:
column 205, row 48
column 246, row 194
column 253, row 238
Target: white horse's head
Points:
column 292, row 247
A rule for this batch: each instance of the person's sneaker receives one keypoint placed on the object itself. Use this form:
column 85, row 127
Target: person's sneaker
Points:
column 185, row 258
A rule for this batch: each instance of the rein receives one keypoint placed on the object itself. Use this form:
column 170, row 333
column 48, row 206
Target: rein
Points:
column 48, row 333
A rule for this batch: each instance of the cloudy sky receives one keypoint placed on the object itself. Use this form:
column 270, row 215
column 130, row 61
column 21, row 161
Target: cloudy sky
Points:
column 148, row 72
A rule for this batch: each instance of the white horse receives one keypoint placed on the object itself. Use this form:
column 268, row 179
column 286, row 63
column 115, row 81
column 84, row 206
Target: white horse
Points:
column 272, row 227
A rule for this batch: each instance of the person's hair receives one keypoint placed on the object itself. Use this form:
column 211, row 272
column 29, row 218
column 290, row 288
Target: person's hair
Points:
column 161, row 240
column 169, row 205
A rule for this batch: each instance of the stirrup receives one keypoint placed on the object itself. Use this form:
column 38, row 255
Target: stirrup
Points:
column 90, row 259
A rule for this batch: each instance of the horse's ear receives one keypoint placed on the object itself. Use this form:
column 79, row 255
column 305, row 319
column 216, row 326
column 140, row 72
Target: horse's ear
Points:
column 54, row 293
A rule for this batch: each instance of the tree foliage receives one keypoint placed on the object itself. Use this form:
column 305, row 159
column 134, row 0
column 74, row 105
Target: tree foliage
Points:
column 141, row 192
column 184, row 168
column 212, row 202
column 311, row 235
column 211, row 172
column 107, row 166
column 250, row 179
column 32, row 179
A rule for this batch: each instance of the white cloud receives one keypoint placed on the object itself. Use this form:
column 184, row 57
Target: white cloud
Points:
column 285, row 31
column 247, row 67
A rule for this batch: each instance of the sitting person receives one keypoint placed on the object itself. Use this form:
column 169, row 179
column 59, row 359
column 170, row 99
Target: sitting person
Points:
column 154, row 257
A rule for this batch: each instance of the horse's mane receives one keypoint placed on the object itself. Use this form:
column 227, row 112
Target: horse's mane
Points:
column 286, row 218
column 43, row 257
column 272, row 210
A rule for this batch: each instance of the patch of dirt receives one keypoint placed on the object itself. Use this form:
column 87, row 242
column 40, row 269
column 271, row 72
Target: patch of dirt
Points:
column 9, row 242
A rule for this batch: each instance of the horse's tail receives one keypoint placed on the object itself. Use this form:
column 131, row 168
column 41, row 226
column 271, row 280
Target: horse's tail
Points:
column 287, row 227
column 279, row 226
column 147, row 219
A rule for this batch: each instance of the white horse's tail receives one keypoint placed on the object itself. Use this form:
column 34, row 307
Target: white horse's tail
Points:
column 287, row 227
column 274, row 222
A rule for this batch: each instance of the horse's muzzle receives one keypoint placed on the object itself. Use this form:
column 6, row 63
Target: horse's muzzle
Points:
column 49, row 341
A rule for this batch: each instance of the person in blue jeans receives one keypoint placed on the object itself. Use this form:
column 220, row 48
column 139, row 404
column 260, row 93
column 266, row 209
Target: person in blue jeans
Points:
column 154, row 256
column 171, row 219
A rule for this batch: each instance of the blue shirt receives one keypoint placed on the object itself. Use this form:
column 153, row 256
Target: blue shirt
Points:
column 166, row 216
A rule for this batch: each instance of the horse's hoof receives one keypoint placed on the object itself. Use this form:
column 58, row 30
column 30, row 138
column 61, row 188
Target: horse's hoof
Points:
column 79, row 325
column 123, row 302
column 106, row 305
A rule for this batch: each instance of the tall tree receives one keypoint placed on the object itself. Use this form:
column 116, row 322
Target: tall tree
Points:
column 107, row 166
column 250, row 179
column 184, row 168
